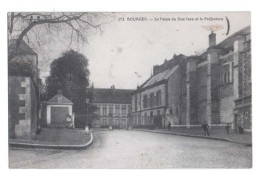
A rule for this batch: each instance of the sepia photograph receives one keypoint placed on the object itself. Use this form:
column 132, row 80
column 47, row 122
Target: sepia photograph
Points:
column 129, row 90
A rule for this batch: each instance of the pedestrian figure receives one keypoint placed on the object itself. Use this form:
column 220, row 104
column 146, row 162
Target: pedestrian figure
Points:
column 205, row 128
column 227, row 128
column 169, row 126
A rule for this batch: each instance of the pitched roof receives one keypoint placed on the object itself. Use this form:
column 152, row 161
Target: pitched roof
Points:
column 63, row 100
column 160, row 76
column 229, row 41
column 112, row 95
column 24, row 49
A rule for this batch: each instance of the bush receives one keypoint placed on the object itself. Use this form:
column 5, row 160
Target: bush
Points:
column 80, row 121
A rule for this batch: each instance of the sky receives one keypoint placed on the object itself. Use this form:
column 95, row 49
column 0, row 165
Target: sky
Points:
column 124, row 54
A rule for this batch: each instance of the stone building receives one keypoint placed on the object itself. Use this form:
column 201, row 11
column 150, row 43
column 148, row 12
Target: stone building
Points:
column 58, row 112
column 151, row 100
column 113, row 107
column 214, row 86
column 243, row 99
column 23, row 93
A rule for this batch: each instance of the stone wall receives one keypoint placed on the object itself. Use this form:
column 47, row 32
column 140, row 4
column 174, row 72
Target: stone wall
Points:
column 202, row 93
column 23, row 107
column 193, row 97
column 174, row 96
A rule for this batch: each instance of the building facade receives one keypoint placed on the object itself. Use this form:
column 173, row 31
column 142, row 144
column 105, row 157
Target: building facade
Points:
column 113, row 107
column 158, row 99
column 214, row 86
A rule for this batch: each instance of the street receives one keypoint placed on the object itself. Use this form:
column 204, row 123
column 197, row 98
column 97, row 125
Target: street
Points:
column 140, row 150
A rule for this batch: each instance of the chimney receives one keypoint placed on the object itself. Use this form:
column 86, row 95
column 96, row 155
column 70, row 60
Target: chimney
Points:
column 212, row 39
column 113, row 87
column 156, row 69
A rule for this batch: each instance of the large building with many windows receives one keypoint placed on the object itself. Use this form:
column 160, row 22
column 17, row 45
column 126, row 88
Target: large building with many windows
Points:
column 113, row 107
column 151, row 100
column 214, row 86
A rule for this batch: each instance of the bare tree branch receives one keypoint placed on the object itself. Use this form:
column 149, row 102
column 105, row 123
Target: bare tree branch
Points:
column 80, row 23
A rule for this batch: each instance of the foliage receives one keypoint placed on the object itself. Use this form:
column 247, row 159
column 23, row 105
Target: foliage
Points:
column 20, row 69
column 82, row 119
column 70, row 74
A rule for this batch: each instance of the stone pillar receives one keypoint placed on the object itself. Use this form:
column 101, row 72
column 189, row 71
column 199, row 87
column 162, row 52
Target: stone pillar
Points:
column 188, row 96
column 238, row 46
column 23, row 128
column 208, row 106
column 48, row 114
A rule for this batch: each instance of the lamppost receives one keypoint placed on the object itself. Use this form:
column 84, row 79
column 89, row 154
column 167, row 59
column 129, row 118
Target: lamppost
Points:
column 87, row 102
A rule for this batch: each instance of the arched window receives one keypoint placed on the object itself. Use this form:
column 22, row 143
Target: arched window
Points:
column 151, row 98
column 227, row 73
column 246, row 115
column 226, row 76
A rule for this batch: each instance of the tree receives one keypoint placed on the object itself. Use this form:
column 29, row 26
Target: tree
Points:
column 40, row 28
column 70, row 74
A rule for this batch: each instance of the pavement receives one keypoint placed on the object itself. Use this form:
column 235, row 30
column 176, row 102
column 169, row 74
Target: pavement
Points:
column 216, row 133
column 59, row 138
column 129, row 149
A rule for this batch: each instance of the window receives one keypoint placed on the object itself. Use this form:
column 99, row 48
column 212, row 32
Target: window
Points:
column 145, row 101
column 151, row 98
column 117, row 109
column 227, row 73
column 151, row 116
column 98, row 110
column 110, row 110
column 170, row 111
column 246, row 115
column 129, row 109
column 135, row 102
column 158, row 98
column 105, row 111
column 123, row 110
column 158, row 113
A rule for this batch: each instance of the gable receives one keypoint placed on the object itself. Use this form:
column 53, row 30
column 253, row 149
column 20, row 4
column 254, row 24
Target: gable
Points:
column 59, row 99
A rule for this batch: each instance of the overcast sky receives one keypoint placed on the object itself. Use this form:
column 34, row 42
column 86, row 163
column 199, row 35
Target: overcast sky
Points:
column 127, row 49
